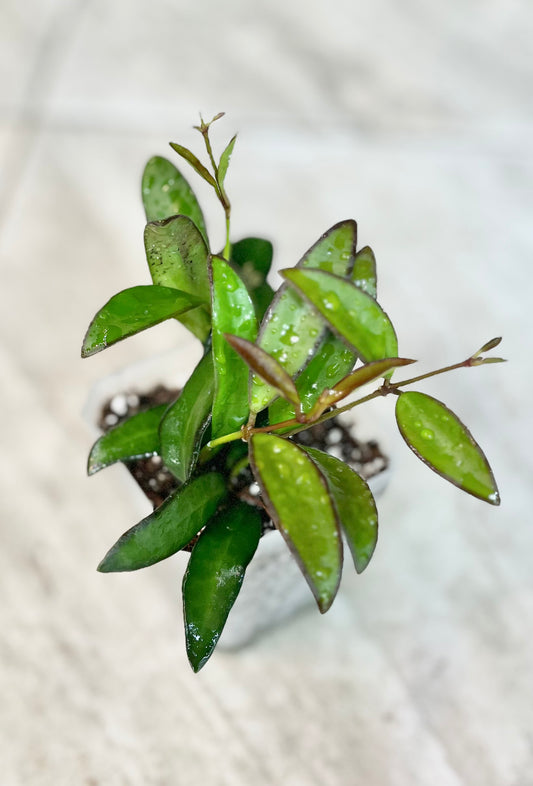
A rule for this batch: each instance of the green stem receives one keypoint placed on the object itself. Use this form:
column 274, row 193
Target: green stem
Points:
column 227, row 247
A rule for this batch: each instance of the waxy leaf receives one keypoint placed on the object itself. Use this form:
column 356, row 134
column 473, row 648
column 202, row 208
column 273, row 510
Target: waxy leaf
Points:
column 265, row 366
column 214, row 577
column 353, row 315
column 224, row 160
column 166, row 193
column 438, row 437
column 177, row 257
column 136, row 437
column 184, row 424
column 364, row 271
column 291, row 329
column 355, row 506
column 169, row 528
column 196, row 164
column 232, row 312
column 297, row 498
column 253, row 257
column 133, row 310
column 330, row 363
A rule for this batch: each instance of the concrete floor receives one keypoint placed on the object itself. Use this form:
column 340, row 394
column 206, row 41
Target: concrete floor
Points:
column 415, row 119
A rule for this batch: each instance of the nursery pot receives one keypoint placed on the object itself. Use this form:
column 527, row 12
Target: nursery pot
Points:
column 274, row 588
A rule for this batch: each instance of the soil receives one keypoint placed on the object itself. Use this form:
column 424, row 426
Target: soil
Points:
column 157, row 482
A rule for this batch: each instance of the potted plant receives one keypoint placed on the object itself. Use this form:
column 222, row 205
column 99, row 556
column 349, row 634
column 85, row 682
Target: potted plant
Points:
column 275, row 366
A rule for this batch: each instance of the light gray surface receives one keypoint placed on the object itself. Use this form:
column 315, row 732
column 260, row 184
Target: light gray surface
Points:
column 414, row 118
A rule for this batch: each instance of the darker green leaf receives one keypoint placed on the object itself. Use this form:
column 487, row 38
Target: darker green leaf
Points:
column 133, row 310
column 355, row 506
column 177, row 257
column 169, row 528
column 232, row 312
column 291, row 328
column 136, row 437
column 253, row 257
column 196, row 164
column 437, row 436
column 184, row 424
column 166, row 193
column 214, row 577
column 298, row 500
column 354, row 316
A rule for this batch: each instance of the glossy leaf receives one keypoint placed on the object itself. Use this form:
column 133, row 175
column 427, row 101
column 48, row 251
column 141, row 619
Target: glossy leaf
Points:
column 362, row 376
column 169, row 528
column 298, row 500
column 136, row 437
column 364, row 271
column 355, row 505
column 265, row 366
column 133, row 310
column 253, row 257
column 330, row 363
column 442, row 441
column 166, row 193
column 224, row 160
column 232, row 312
column 185, row 422
column 353, row 315
column 214, row 577
column 196, row 164
column 291, row 329
column 177, row 257
column 494, row 342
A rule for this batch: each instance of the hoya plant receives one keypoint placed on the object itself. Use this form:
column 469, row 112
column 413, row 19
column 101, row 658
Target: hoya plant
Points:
column 273, row 365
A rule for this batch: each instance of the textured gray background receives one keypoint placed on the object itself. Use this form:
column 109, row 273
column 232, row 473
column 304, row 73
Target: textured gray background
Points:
column 414, row 118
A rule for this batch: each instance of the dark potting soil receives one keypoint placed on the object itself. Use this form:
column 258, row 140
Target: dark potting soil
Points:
column 157, row 482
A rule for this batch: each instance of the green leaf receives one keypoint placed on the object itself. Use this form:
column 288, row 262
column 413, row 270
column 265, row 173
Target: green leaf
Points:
column 364, row 271
column 136, row 437
column 184, row 424
column 266, row 367
column 355, row 505
column 494, row 342
column 331, row 361
column 195, row 163
column 442, row 441
column 353, row 315
column 291, row 329
column 169, row 528
column 133, row 310
column 297, row 498
column 232, row 312
column 224, row 161
column 166, row 193
column 214, row 577
column 253, row 257
column 177, row 257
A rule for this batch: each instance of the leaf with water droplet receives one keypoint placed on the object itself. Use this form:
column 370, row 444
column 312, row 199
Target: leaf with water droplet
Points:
column 214, row 577
column 186, row 420
column 133, row 310
column 355, row 506
column 169, row 528
column 136, row 437
column 167, row 193
column 290, row 316
column 353, row 315
column 298, row 500
column 196, row 164
column 265, row 366
column 253, row 257
column 232, row 312
column 437, row 436
column 364, row 271
column 330, row 363
column 224, row 160
column 177, row 257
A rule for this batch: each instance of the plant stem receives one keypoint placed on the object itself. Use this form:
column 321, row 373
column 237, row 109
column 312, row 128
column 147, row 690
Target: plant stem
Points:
column 464, row 364
column 227, row 247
